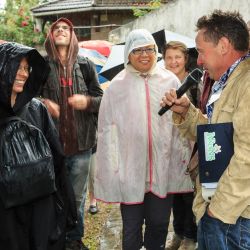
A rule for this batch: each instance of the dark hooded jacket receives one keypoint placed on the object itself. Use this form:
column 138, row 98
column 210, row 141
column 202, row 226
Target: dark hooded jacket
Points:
column 41, row 224
column 85, row 81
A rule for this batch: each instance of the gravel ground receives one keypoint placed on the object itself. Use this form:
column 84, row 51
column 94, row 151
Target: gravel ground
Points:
column 95, row 224
column 103, row 230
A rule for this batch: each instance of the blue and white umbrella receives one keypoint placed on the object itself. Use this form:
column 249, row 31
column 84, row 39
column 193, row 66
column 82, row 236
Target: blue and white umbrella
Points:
column 98, row 59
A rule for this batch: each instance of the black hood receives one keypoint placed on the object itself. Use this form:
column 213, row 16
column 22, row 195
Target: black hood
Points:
column 11, row 55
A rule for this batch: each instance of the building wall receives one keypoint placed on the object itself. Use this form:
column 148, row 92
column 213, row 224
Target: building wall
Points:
column 180, row 16
column 110, row 18
column 83, row 22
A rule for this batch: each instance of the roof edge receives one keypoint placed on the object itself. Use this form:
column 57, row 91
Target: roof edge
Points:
column 45, row 13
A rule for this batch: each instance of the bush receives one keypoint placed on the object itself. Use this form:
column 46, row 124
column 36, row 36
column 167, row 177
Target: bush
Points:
column 152, row 5
column 17, row 25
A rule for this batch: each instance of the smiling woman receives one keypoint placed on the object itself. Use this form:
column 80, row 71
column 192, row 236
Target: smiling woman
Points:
column 21, row 106
column 140, row 184
column 21, row 77
column 143, row 58
column 175, row 55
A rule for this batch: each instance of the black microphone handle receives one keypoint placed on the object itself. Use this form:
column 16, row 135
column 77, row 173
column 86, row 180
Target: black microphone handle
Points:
column 164, row 109
column 179, row 92
column 191, row 79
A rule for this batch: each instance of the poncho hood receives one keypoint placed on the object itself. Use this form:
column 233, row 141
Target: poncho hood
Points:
column 138, row 38
column 10, row 56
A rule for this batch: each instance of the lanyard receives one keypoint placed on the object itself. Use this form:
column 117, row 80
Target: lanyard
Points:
column 219, row 86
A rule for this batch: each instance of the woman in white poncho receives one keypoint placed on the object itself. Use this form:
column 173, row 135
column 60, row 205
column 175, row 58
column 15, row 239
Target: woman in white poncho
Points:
column 138, row 152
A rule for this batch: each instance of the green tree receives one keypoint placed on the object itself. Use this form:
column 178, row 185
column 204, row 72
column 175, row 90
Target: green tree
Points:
column 17, row 25
column 152, row 5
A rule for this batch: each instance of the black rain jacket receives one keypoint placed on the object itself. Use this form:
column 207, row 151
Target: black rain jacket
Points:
column 41, row 224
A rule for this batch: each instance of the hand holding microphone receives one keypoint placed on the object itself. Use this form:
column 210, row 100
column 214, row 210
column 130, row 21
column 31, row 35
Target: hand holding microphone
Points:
column 192, row 79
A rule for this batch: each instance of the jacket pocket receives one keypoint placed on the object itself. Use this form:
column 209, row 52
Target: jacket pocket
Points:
column 244, row 233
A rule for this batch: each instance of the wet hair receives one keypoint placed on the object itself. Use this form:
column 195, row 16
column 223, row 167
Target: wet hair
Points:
column 225, row 24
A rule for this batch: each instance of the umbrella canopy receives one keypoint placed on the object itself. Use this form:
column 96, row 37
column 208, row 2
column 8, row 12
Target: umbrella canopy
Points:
column 172, row 36
column 102, row 79
column 98, row 59
column 102, row 46
column 93, row 55
column 160, row 39
column 115, row 62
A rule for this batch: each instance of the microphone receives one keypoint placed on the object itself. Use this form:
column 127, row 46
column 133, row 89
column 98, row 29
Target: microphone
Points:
column 192, row 79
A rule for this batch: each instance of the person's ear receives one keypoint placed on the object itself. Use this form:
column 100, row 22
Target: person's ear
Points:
column 129, row 56
column 224, row 45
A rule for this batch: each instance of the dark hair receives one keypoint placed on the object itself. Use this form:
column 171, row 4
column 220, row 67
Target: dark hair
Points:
column 225, row 24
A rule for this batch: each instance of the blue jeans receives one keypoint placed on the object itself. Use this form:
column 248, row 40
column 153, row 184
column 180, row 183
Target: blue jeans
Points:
column 213, row 234
column 78, row 166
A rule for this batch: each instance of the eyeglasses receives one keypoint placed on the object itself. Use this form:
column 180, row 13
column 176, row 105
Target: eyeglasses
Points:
column 63, row 27
column 140, row 51
column 27, row 69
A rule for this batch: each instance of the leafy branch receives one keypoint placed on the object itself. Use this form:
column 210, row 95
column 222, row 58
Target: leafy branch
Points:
column 152, row 5
column 17, row 25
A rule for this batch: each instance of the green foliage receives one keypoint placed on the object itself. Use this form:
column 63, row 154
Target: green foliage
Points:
column 17, row 25
column 152, row 5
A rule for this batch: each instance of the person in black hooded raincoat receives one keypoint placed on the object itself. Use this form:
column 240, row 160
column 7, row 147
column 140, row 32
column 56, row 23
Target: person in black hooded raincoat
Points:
column 40, row 224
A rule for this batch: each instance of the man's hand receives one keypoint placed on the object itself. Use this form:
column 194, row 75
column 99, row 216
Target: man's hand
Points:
column 53, row 108
column 78, row 101
column 180, row 105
